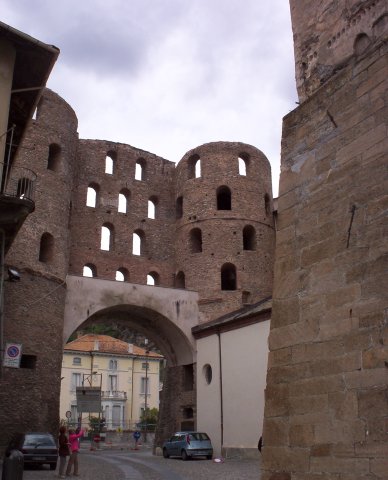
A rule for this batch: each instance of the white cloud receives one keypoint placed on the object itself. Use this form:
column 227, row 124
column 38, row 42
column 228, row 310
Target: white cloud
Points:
column 167, row 76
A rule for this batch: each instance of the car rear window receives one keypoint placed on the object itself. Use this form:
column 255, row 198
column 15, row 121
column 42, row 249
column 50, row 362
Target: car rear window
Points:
column 198, row 436
column 36, row 439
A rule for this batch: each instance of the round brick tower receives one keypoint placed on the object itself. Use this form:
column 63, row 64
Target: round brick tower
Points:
column 34, row 306
column 225, row 234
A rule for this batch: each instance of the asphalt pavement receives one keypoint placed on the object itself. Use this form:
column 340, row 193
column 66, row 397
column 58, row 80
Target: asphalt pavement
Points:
column 120, row 462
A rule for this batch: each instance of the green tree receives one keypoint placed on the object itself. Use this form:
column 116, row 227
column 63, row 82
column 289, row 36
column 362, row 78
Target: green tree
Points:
column 150, row 417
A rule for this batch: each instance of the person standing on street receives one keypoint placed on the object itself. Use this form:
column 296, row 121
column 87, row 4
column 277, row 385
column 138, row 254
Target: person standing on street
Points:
column 74, row 448
column 63, row 450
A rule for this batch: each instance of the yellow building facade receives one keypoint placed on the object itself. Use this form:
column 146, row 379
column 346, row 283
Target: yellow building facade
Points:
column 129, row 377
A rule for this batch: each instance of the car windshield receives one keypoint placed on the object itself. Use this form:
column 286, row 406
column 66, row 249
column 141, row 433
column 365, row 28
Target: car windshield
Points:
column 198, row 436
column 34, row 440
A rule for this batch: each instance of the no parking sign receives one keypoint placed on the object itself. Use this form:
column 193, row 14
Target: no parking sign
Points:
column 12, row 355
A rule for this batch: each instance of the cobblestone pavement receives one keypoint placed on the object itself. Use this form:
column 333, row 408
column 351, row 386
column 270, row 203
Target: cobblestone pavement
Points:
column 124, row 464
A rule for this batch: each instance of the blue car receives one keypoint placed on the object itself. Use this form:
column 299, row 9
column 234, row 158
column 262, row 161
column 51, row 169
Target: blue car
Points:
column 188, row 445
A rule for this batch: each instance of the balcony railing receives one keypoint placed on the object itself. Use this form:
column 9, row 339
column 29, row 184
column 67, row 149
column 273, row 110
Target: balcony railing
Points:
column 17, row 182
column 113, row 395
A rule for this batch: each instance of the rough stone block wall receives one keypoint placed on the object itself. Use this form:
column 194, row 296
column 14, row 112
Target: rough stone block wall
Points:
column 326, row 398
column 327, row 33
column 87, row 221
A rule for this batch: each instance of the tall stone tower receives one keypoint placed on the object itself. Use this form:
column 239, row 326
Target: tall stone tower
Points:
column 34, row 306
column 326, row 397
column 224, row 228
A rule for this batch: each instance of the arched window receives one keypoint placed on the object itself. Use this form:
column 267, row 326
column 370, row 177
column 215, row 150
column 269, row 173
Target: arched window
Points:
column 153, row 278
column 124, row 196
column 92, row 195
column 224, row 198
column 242, row 167
column 46, row 250
column 267, row 204
column 107, row 236
column 194, row 166
column 152, row 204
column 89, row 270
column 140, row 169
column 54, row 157
column 180, row 281
column 243, row 163
column 361, row 43
column 122, row 275
column 112, row 364
column 110, row 163
column 138, row 245
column 228, row 277
column 195, row 240
column 249, row 238
column 179, row 207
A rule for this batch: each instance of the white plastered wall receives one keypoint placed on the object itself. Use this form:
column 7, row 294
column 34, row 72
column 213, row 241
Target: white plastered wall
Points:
column 244, row 368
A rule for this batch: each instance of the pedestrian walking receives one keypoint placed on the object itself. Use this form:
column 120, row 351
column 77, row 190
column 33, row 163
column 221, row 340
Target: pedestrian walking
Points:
column 74, row 447
column 63, row 450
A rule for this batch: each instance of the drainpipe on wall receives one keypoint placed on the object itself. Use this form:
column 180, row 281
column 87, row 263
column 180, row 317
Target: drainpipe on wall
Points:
column 221, row 393
column 133, row 369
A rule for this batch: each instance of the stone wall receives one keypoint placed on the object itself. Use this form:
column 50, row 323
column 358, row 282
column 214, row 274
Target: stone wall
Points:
column 177, row 398
column 86, row 223
column 34, row 306
column 222, row 229
column 327, row 34
column 326, row 397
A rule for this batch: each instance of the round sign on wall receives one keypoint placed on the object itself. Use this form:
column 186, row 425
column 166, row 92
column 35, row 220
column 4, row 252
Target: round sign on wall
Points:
column 68, row 414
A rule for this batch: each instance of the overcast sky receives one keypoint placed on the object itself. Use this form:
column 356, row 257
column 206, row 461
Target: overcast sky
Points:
column 169, row 75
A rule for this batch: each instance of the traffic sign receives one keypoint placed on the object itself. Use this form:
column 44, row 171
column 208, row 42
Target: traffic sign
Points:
column 68, row 414
column 12, row 355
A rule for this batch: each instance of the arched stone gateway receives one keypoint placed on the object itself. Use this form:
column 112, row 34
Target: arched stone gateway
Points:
column 165, row 315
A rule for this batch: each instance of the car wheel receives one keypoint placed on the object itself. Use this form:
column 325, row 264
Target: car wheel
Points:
column 184, row 455
column 209, row 457
column 165, row 453
column 53, row 466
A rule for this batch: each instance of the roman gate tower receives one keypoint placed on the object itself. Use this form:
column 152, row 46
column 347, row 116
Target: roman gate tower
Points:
column 224, row 226
column 34, row 306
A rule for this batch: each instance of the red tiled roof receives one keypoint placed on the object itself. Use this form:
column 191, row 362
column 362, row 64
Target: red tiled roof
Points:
column 106, row 344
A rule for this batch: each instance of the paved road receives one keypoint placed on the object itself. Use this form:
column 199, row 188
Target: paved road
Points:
column 124, row 464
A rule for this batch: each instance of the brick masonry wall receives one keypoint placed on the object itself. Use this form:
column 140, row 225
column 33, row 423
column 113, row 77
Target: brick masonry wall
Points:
column 174, row 399
column 87, row 221
column 33, row 314
column 222, row 230
column 34, row 306
column 53, row 189
column 326, row 397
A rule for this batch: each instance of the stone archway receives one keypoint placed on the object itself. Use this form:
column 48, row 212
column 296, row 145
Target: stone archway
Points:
column 164, row 315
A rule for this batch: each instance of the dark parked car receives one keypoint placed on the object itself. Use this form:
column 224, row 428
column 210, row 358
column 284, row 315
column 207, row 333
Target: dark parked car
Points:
column 37, row 448
column 187, row 445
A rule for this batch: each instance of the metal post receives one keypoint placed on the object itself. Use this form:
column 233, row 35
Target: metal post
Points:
column 2, row 273
column 146, row 393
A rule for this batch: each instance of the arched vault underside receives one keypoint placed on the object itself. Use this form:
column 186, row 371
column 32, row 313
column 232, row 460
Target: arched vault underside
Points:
column 164, row 315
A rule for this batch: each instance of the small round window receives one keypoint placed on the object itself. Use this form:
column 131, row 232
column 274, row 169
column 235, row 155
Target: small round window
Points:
column 208, row 373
